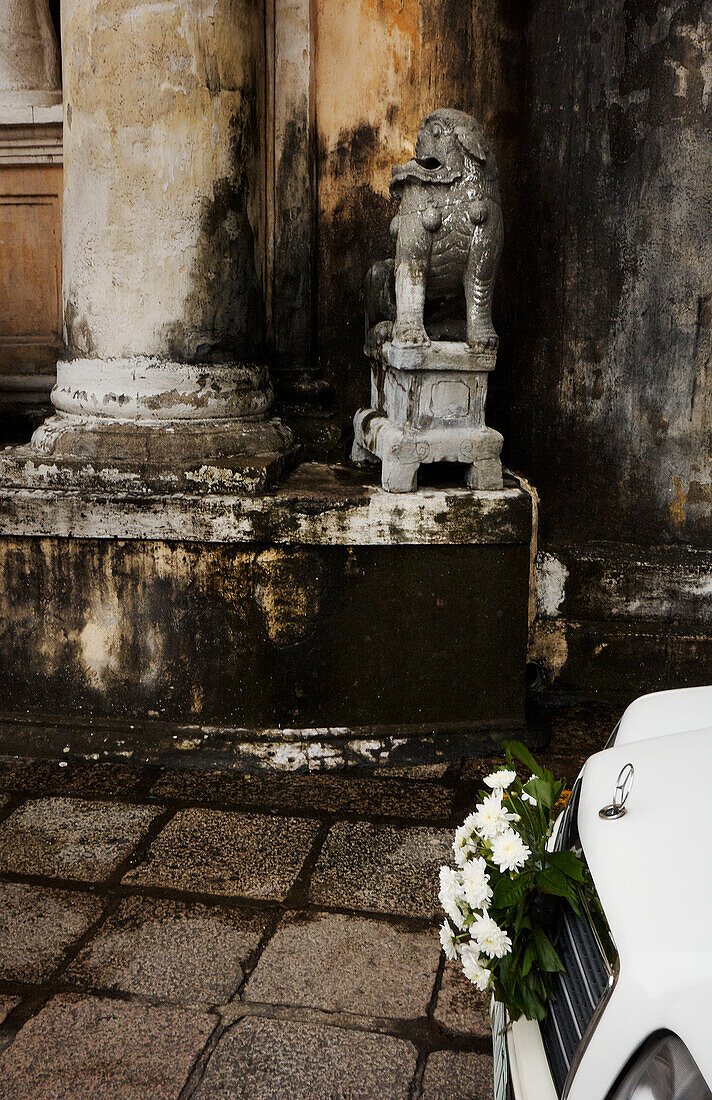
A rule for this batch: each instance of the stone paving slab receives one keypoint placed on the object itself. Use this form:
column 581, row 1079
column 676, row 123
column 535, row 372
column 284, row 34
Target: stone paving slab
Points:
column 564, row 767
column 71, row 837
column 262, row 1059
column 78, row 778
column 38, row 925
column 384, row 794
column 381, row 868
column 347, row 964
column 451, row 1075
column 170, row 950
column 460, row 1008
column 421, row 771
column 77, row 1048
column 232, row 854
column 6, row 1006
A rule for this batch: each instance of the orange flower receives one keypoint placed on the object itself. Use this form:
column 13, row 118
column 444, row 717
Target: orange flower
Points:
column 563, row 798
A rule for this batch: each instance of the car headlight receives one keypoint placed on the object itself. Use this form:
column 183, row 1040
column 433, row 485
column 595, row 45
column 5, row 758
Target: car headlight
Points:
column 664, row 1071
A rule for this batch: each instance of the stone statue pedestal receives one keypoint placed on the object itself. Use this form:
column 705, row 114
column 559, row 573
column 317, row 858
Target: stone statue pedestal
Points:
column 429, row 406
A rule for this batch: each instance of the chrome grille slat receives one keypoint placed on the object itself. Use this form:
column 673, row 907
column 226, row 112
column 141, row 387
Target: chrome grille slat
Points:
column 580, row 988
column 578, row 992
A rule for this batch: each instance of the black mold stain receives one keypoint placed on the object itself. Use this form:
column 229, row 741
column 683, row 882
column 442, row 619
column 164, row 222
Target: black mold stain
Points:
column 78, row 338
column 192, row 643
column 293, row 309
column 349, row 240
column 224, row 314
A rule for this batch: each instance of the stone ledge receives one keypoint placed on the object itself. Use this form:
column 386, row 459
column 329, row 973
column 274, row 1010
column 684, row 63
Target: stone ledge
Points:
column 303, row 750
column 316, row 505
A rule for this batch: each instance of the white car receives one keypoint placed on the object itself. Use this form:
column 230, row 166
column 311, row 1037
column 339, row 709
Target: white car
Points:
column 632, row 1020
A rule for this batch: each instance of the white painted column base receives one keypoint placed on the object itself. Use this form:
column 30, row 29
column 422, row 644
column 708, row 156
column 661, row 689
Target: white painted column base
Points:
column 146, row 425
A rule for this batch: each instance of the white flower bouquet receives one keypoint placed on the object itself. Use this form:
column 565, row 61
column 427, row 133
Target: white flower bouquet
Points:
column 497, row 897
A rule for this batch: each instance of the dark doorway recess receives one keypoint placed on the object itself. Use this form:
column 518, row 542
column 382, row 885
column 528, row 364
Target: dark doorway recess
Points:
column 54, row 9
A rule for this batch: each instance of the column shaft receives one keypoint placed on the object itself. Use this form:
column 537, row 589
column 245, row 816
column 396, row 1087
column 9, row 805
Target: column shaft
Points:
column 29, row 55
column 163, row 383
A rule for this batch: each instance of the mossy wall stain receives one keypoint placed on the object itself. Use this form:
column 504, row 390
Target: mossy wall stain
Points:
column 288, row 590
column 264, row 636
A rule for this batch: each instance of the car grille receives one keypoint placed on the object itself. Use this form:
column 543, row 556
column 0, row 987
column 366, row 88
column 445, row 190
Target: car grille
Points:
column 578, row 991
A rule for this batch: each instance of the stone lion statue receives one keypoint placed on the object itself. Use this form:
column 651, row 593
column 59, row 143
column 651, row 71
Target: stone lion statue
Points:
column 448, row 234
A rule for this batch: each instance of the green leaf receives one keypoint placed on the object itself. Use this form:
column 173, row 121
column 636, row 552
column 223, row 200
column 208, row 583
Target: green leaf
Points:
column 521, row 753
column 574, row 903
column 543, row 791
column 546, row 952
column 533, row 1007
column 509, row 890
column 569, row 863
column 551, row 881
column 529, row 959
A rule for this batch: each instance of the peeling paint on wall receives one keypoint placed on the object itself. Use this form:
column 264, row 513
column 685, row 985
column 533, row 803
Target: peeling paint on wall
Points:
column 100, row 641
column 551, row 577
column 288, row 592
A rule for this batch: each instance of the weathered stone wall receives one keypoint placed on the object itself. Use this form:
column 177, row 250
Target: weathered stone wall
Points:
column 600, row 116
column 599, row 111
column 322, row 606
column 611, row 395
column 610, row 413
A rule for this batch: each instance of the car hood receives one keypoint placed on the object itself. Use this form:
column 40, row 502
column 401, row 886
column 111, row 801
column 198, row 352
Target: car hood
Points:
column 652, row 872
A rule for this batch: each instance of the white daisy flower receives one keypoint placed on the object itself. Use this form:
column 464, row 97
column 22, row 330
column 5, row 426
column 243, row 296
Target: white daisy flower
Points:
column 472, row 966
column 492, row 940
column 499, row 779
column 450, row 894
column 464, row 844
column 509, row 851
column 490, row 817
column 475, row 884
column 447, row 941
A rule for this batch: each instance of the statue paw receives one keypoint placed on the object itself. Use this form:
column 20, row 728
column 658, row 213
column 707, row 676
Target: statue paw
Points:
column 377, row 336
column 409, row 336
column 483, row 338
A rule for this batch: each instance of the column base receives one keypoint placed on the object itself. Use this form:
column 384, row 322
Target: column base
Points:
column 145, row 424
column 197, row 456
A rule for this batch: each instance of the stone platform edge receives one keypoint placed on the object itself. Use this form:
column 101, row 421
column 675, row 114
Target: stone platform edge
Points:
column 316, row 505
column 203, row 747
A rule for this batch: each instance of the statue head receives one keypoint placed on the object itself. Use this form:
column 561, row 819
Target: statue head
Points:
column 448, row 138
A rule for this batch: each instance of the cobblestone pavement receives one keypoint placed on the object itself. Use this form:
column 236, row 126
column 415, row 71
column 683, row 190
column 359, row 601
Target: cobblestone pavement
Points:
column 217, row 935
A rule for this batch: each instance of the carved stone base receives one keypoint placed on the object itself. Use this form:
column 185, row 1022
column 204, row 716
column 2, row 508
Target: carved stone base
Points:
column 403, row 449
column 429, row 406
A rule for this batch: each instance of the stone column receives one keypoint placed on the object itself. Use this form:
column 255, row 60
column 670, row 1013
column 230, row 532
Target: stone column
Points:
column 163, row 385
column 29, row 55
